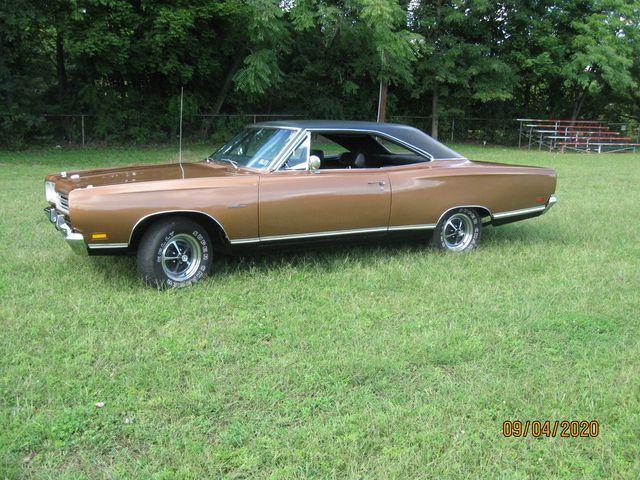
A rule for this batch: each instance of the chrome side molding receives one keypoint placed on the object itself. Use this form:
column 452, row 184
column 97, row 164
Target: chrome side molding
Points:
column 103, row 246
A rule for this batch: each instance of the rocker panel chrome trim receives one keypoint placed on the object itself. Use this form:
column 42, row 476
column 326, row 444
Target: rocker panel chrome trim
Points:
column 244, row 240
column 332, row 233
column 426, row 226
column 295, row 236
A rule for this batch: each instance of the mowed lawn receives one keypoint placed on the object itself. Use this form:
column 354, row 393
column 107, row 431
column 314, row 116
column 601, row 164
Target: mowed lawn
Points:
column 388, row 361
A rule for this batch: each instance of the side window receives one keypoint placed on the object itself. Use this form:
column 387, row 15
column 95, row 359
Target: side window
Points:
column 323, row 147
column 298, row 158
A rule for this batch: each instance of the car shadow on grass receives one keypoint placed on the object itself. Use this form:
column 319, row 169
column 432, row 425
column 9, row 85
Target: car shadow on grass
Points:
column 326, row 257
column 330, row 257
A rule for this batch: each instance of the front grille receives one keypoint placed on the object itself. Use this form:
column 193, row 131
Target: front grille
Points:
column 63, row 202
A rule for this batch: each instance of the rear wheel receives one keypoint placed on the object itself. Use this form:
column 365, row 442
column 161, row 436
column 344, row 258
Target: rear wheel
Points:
column 458, row 231
column 174, row 252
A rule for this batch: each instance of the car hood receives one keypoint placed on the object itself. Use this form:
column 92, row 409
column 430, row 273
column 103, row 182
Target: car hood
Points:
column 144, row 173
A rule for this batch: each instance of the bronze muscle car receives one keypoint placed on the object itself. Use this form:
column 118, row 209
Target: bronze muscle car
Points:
column 291, row 181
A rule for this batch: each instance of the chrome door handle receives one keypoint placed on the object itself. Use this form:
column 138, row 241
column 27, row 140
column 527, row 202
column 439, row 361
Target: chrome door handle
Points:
column 382, row 184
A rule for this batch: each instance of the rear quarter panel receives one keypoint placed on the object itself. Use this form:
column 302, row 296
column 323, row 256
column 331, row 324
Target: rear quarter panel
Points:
column 421, row 194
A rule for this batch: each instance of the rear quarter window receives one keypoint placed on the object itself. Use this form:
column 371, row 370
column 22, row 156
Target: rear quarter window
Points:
column 393, row 147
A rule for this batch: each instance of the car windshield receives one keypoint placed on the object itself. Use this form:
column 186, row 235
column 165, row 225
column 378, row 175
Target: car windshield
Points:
column 254, row 147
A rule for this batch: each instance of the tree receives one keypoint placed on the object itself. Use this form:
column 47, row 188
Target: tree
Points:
column 462, row 44
column 603, row 52
column 25, row 70
column 125, row 60
column 362, row 42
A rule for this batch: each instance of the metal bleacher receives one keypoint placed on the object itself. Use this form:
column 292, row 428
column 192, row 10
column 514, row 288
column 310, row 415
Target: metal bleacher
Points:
column 587, row 136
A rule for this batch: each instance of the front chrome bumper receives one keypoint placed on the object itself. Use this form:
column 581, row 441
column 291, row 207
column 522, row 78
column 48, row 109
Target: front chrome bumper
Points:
column 74, row 239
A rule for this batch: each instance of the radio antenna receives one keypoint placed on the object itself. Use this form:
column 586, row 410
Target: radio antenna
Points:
column 180, row 144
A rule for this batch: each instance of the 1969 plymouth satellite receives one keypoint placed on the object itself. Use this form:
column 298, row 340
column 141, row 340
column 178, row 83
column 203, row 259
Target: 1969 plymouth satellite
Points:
column 291, row 181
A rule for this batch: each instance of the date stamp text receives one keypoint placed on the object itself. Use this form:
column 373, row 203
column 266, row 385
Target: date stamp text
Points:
column 551, row 428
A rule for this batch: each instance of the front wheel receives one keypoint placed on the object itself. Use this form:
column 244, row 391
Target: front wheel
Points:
column 458, row 231
column 174, row 252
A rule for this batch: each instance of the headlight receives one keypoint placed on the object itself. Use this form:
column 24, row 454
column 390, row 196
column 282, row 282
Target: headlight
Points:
column 50, row 192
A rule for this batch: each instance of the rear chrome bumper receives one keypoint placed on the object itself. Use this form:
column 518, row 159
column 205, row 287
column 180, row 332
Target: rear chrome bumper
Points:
column 502, row 218
column 74, row 239
column 552, row 201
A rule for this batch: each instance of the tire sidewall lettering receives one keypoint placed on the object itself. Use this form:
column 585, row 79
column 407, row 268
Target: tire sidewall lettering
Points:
column 164, row 242
column 202, row 269
column 475, row 220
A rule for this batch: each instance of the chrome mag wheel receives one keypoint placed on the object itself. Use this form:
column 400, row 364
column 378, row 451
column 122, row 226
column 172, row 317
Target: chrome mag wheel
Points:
column 458, row 232
column 181, row 257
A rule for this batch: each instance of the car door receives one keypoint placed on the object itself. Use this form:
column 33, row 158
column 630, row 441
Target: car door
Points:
column 305, row 204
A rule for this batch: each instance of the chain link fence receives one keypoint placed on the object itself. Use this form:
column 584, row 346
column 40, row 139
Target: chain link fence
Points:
column 99, row 130
column 78, row 130
column 495, row 131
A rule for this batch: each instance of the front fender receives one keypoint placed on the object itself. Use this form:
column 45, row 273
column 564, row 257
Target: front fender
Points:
column 115, row 210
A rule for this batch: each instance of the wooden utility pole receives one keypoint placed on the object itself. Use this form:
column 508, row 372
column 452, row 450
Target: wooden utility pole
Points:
column 382, row 102
column 434, row 113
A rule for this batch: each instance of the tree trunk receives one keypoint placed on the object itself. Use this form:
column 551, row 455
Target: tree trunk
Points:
column 434, row 113
column 61, row 70
column 226, row 85
column 434, row 96
column 9, row 94
column 577, row 106
column 382, row 102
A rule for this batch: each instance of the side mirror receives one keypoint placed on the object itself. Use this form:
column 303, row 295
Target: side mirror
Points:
column 314, row 163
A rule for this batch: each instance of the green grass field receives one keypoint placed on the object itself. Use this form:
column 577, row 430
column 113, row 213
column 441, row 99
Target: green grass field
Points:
column 391, row 361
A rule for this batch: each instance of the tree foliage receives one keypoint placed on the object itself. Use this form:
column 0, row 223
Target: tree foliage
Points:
column 125, row 60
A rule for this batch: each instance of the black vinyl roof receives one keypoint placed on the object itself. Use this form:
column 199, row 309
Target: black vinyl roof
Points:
column 404, row 133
